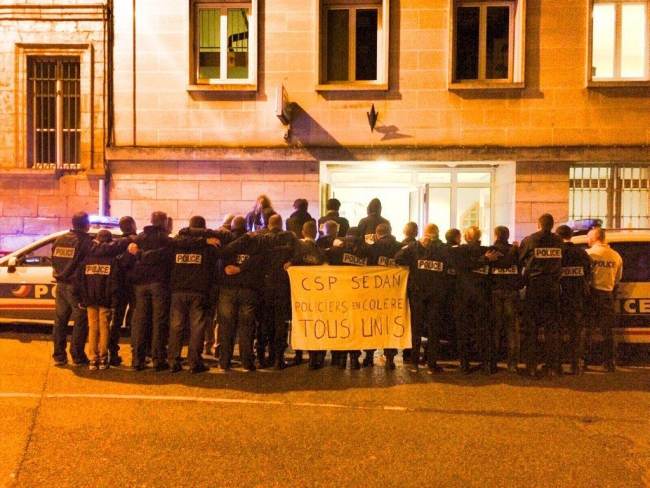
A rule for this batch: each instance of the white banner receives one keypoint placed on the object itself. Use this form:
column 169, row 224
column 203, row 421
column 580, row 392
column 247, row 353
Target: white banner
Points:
column 349, row 308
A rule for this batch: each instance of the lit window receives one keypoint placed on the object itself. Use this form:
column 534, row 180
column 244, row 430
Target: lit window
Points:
column 53, row 112
column 487, row 42
column 354, row 43
column 619, row 40
column 225, row 42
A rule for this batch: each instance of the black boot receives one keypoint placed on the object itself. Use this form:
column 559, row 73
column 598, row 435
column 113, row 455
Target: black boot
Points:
column 343, row 361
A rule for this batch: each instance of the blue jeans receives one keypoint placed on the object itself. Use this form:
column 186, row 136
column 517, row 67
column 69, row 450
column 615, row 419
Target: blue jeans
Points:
column 65, row 307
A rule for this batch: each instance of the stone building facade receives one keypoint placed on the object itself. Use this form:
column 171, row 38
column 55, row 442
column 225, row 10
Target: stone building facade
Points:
column 450, row 111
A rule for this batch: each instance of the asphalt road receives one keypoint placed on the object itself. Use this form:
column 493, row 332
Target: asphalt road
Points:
column 72, row 427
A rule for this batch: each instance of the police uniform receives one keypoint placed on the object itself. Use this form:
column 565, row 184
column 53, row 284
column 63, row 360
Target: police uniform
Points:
column 473, row 304
column 540, row 254
column 95, row 287
column 238, row 297
column 352, row 252
column 427, row 283
column 310, row 254
column 124, row 301
column 382, row 253
column 606, row 272
column 368, row 225
column 576, row 276
column 151, row 287
column 193, row 272
column 505, row 274
column 68, row 251
column 280, row 247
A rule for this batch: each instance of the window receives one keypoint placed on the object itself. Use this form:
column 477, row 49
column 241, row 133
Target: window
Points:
column 53, row 112
column 619, row 40
column 225, row 43
column 354, row 44
column 617, row 194
column 487, row 43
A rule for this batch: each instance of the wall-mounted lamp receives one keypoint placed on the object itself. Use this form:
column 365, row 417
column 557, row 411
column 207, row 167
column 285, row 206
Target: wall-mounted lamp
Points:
column 372, row 117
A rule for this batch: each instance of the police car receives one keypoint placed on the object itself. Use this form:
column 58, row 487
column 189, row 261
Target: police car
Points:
column 27, row 289
column 632, row 300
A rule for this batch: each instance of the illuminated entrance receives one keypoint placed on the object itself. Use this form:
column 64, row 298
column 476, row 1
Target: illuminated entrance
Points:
column 446, row 196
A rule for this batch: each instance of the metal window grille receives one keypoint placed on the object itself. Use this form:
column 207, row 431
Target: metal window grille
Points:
column 53, row 112
column 617, row 194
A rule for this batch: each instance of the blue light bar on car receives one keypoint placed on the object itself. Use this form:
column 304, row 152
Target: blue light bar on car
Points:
column 584, row 225
column 104, row 220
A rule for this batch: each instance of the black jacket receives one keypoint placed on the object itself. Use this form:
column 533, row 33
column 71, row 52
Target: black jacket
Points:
column 309, row 254
column 280, row 246
column 353, row 252
column 154, row 256
column 344, row 224
column 576, row 272
column 472, row 271
column 505, row 271
column 97, row 276
column 194, row 263
column 382, row 252
column 427, row 266
column 368, row 225
column 541, row 256
column 245, row 252
column 296, row 220
column 68, row 251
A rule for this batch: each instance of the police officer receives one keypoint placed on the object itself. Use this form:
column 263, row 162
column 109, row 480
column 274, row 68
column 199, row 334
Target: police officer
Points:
column 68, row 251
column 124, row 296
column 151, row 287
column 607, row 270
column 575, row 282
column 367, row 225
column 193, row 271
column 410, row 232
column 352, row 250
column 309, row 254
column 427, row 260
column 280, row 246
column 506, row 283
column 471, row 261
column 241, row 277
column 453, row 238
column 540, row 254
column 382, row 253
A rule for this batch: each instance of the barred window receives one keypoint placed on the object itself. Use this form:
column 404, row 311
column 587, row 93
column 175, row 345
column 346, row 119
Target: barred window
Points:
column 617, row 194
column 53, row 112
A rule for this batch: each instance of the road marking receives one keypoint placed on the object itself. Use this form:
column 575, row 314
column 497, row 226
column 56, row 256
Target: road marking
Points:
column 177, row 398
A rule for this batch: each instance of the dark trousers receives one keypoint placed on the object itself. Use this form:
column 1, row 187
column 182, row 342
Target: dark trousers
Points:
column 601, row 316
column 425, row 315
column 573, row 326
column 542, row 312
column 505, row 305
column 151, row 311
column 473, row 319
column 187, row 309
column 124, row 307
column 274, row 328
column 236, row 311
column 65, row 308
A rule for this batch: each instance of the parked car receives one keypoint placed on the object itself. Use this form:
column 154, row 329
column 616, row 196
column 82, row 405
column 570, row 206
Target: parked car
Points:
column 632, row 299
column 27, row 289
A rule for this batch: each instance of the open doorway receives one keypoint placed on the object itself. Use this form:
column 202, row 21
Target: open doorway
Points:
column 449, row 197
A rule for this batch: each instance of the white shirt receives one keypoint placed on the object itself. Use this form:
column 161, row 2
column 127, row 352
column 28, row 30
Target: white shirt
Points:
column 607, row 266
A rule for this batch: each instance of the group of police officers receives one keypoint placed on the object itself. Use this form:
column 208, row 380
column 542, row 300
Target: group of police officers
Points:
column 236, row 277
